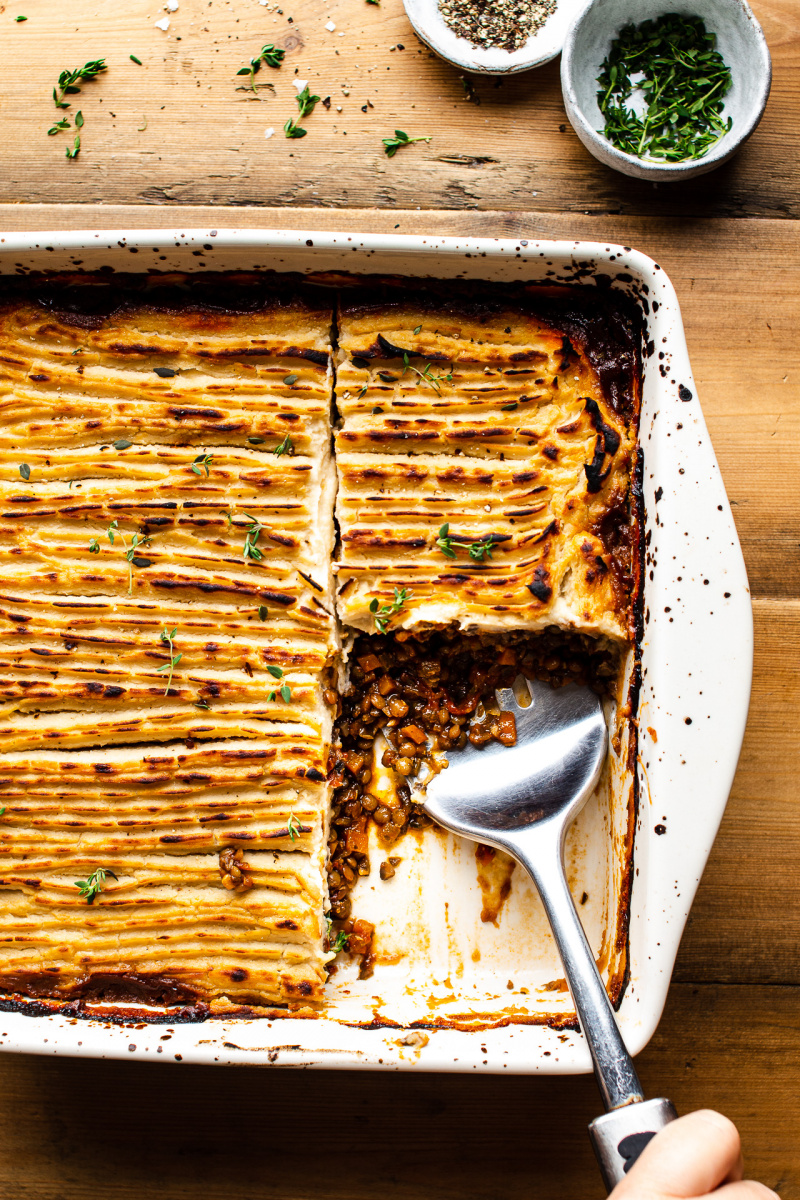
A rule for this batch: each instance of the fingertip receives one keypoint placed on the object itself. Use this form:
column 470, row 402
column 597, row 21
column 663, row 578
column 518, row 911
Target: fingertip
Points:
column 722, row 1123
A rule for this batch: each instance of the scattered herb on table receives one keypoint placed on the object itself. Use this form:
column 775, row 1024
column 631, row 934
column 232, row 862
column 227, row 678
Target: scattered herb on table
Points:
column 382, row 614
column 285, row 447
column 74, row 150
column 273, row 56
column 392, row 144
column 293, row 130
column 92, row 886
column 20, row 18
column 683, row 79
column 69, row 81
column 202, row 460
column 133, row 58
column 174, row 659
column 306, row 102
column 59, row 127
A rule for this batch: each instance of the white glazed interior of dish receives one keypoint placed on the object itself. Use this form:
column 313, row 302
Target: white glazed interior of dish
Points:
column 697, row 663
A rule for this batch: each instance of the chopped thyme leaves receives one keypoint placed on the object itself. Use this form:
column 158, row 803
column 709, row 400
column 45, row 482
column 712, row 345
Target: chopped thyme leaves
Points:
column 293, row 827
column 263, row 612
column 418, row 330
column 174, row 659
column 392, row 144
column 25, row 471
column 673, row 63
column 94, row 546
column 276, row 672
column 122, row 444
column 286, row 447
column 202, row 460
column 91, row 887
column 290, row 379
column 382, row 614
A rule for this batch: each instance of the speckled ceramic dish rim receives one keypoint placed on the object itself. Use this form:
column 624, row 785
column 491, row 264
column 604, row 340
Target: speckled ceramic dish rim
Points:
column 697, row 649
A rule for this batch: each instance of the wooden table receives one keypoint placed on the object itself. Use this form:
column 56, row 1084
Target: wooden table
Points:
column 502, row 160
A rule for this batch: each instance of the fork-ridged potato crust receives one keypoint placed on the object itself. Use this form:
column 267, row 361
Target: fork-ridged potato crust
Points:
column 509, row 418
column 98, row 767
column 507, row 415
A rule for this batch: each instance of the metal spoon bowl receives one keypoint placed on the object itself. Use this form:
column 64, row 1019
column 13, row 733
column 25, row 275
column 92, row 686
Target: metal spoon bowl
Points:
column 523, row 799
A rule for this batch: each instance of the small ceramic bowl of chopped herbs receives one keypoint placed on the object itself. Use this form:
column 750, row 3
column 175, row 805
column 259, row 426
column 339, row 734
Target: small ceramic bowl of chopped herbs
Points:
column 665, row 89
column 494, row 37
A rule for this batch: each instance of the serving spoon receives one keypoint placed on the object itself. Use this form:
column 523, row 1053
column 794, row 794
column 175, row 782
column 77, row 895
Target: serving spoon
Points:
column 522, row 799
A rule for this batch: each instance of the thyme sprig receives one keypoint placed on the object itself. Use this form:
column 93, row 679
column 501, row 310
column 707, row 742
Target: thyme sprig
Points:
column 167, row 638
column 131, row 557
column 69, row 81
column 306, row 102
column 449, row 544
column 673, row 61
column 273, row 56
column 392, row 144
column 285, row 447
column 92, row 886
column 426, row 374
column 254, row 530
column 382, row 614
column 202, row 460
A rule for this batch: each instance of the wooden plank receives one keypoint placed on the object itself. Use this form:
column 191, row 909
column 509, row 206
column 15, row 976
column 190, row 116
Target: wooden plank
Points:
column 739, row 287
column 204, row 139
column 130, row 1131
column 745, row 922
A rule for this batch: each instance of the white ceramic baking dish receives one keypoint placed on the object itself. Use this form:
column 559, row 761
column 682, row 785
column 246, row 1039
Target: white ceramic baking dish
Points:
column 492, row 986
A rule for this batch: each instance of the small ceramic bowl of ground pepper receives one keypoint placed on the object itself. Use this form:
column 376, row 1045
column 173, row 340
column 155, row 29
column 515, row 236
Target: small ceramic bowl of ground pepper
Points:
column 493, row 37
column 665, row 89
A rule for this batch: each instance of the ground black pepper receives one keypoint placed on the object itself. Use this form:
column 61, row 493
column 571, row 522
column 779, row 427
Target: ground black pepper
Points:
column 503, row 23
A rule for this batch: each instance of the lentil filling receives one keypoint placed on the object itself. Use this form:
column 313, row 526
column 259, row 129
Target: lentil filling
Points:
column 424, row 693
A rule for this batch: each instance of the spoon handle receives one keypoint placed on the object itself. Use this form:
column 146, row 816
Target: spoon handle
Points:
column 539, row 849
column 622, row 1133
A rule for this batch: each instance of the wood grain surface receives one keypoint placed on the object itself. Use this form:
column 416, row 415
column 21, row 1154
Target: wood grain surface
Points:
column 182, row 128
column 508, row 166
